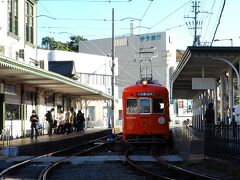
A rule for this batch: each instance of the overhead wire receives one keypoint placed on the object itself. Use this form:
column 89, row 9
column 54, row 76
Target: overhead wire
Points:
column 219, row 20
column 206, row 31
column 146, row 10
column 169, row 14
column 140, row 26
column 52, row 16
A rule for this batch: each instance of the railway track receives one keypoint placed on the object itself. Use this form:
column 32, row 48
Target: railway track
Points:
column 60, row 167
column 162, row 169
column 34, row 169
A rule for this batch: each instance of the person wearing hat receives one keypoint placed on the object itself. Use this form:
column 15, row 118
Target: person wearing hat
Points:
column 34, row 119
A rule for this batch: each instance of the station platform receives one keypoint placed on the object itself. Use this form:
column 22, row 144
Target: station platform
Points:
column 25, row 146
column 188, row 141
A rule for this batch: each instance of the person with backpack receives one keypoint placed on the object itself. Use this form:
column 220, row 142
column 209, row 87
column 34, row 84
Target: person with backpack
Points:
column 49, row 119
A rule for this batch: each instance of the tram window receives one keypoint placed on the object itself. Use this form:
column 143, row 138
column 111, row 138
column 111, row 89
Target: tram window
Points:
column 158, row 105
column 144, row 105
column 131, row 106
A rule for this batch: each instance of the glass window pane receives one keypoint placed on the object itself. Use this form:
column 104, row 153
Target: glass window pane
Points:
column 144, row 105
column 158, row 105
column 131, row 106
column 12, row 111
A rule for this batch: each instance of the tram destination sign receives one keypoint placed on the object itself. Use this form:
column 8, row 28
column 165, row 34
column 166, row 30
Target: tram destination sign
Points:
column 145, row 94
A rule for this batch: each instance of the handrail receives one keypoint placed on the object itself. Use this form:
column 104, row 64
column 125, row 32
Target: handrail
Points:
column 188, row 132
column 5, row 137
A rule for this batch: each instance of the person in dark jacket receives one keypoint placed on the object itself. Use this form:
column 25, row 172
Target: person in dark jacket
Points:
column 209, row 121
column 34, row 120
column 49, row 119
column 80, row 121
column 209, row 116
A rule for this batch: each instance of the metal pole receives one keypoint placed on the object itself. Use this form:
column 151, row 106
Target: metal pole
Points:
column 113, row 64
column 230, row 94
column 195, row 23
column 230, row 64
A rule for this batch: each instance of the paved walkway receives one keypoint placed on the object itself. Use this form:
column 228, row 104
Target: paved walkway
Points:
column 47, row 138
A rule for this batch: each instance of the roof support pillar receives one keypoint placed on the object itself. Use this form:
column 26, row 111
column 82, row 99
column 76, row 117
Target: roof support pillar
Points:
column 215, row 102
column 230, row 95
column 222, row 97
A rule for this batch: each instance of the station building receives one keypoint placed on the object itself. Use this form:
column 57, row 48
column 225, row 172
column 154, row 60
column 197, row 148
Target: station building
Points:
column 25, row 82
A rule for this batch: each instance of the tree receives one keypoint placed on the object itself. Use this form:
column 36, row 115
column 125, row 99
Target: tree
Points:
column 47, row 42
column 51, row 44
column 236, row 91
column 74, row 43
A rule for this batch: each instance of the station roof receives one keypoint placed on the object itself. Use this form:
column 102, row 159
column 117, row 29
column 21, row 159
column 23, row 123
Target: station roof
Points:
column 199, row 62
column 17, row 72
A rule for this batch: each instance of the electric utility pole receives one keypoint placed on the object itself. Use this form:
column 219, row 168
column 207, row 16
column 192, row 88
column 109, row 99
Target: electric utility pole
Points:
column 113, row 64
column 195, row 24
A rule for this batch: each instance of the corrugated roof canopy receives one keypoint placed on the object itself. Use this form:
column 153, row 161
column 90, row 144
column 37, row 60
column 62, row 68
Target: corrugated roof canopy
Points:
column 198, row 62
column 17, row 72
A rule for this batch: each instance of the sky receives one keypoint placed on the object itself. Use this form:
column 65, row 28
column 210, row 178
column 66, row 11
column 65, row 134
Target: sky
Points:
column 92, row 19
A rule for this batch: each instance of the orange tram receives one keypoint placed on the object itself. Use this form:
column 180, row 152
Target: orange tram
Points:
column 145, row 113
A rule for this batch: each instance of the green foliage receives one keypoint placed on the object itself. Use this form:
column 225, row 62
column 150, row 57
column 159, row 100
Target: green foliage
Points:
column 51, row 44
column 73, row 44
column 236, row 91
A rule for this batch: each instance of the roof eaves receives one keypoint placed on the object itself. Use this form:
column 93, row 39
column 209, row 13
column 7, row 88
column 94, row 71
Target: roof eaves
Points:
column 7, row 62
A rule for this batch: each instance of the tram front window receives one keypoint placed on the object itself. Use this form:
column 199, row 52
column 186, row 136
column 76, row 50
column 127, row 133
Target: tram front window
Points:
column 144, row 105
column 131, row 106
column 158, row 105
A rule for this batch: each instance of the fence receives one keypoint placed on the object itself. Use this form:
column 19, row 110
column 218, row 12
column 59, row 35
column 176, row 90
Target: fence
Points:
column 222, row 142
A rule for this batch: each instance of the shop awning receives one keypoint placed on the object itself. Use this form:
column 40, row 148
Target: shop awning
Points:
column 201, row 62
column 17, row 72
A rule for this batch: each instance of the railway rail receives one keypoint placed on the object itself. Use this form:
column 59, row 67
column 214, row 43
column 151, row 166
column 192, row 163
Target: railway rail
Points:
column 34, row 169
column 162, row 169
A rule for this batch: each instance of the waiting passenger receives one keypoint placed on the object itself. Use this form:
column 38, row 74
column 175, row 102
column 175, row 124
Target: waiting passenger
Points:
column 209, row 116
column 80, row 121
column 68, row 122
column 74, row 120
column 49, row 119
column 61, row 123
column 34, row 120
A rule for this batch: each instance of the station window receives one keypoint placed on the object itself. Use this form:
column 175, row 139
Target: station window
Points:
column 29, row 22
column 12, row 111
column 131, row 106
column 158, row 105
column 13, row 16
column 144, row 105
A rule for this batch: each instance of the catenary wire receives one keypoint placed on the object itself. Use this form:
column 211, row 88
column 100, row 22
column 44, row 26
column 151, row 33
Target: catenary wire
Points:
column 219, row 20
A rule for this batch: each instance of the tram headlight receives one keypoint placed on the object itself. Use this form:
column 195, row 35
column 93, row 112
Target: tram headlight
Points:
column 161, row 120
column 144, row 82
